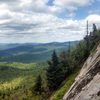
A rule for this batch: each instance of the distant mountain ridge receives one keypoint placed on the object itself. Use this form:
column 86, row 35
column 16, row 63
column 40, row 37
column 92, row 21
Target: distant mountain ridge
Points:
column 31, row 52
column 4, row 46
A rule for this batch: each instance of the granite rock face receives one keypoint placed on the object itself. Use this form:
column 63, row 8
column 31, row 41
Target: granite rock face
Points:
column 87, row 83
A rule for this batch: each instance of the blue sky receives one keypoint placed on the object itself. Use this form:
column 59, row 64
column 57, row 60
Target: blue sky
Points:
column 24, row 21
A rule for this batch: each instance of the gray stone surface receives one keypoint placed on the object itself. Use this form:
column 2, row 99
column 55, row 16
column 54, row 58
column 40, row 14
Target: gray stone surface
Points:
column 87, row 83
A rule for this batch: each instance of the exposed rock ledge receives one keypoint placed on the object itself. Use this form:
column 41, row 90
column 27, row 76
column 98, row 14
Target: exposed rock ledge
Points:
column 87, row 83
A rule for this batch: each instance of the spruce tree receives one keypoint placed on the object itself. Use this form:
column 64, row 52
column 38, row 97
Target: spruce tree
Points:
column 54, row 73
column 38, row 85
column 64, row 63
column 94, row 28
column 55, row 61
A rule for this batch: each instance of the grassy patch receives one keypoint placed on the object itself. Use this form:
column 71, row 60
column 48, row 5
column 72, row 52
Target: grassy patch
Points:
column 93, row 51
column 60, row 92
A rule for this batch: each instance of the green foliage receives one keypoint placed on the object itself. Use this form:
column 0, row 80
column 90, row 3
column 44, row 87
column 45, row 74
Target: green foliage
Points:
column 94, row 28
column 18, row 79
column 70, row 65
column 59, row 68
column 38, row 85
column 73, row 61
column 79, row 54
column 54, row 60
column 94, row 37
column 54, row 73
column 68, row 82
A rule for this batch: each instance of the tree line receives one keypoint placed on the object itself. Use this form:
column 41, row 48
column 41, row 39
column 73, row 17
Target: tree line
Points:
column 63, row 65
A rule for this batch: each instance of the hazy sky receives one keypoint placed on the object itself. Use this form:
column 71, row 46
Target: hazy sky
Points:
column 24, row 21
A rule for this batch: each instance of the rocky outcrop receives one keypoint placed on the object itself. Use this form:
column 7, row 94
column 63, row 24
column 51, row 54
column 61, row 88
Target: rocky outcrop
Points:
column 87, row 83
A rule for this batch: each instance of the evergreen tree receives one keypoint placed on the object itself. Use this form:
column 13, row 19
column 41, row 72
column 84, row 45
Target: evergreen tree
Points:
column 38, row 85
column 67, row 62
column 95, row 37
column 55, row 60
column 54, row 73
column 80, row 53
column 94, row 28
column 64, row 62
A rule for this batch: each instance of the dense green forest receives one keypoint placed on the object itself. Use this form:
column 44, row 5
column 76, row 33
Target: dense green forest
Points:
column 62, row 67
column 46, row 79
column 17, row 79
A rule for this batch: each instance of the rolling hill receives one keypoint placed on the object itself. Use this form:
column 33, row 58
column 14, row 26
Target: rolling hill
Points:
column 31, row 52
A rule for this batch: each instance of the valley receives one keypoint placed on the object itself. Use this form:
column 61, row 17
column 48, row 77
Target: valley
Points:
column 17, row 79
column 28, row 53
column 20, row 64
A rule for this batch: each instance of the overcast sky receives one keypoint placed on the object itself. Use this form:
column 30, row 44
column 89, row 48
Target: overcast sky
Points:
column 23, row 21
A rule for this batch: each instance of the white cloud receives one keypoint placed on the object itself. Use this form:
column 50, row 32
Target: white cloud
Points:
column 72, row 4
column 44, row 28
column 93, row 18
column 35, row 21
column 50, row 29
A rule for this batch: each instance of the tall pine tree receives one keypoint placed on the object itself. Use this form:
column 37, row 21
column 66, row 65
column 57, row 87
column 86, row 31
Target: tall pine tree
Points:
column 54, row 72
column 38, row 85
